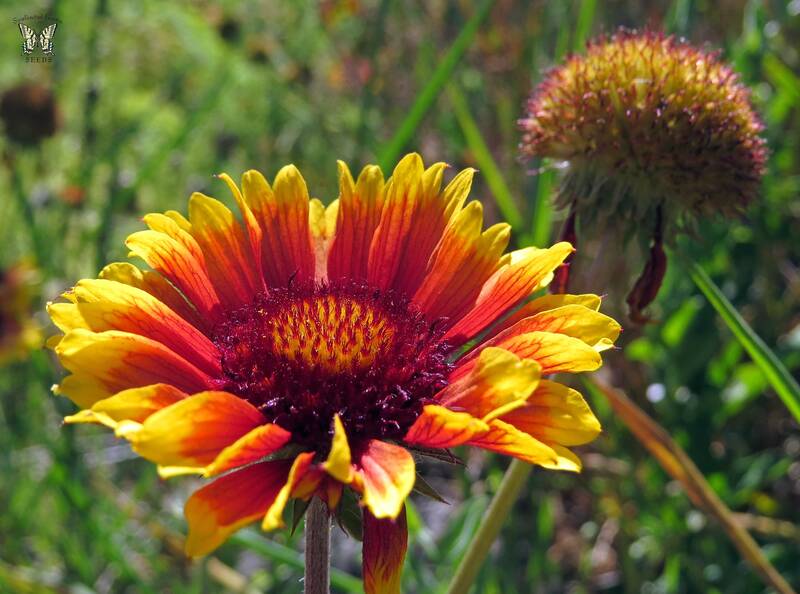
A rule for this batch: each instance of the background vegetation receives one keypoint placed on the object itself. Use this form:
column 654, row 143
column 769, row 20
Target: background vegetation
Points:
column 155, row 97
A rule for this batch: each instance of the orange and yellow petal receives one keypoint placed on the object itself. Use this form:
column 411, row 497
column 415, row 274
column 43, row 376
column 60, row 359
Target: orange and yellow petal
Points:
column 220, row 508
column 389, row 242
column 360, row 208
column 339, row 463
column 385, row 476
column 593, row 328
column 430, row 218
column 384, row 551
column 273, row 518
column 287, row 250
column 110, row 305
column 415, row 215
column 104, row 363
column 440, row 427
column 228, row 254
column 556, row 414
column 555, row 353
column 506, row 439
column 159, row 287
column 184, row 267
column 135, row 404
column 460, row 265
column 195, row 430
column 545, row 303
column 497, row 382
column 250, row 447
column 521, row 273
column 254, row 232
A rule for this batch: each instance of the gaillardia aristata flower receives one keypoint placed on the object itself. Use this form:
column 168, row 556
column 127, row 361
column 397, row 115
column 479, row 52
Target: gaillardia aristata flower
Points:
column 19, row 332
column 300, row 351
column 654, row 134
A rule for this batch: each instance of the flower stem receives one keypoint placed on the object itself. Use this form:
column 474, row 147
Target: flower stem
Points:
column 318, row 548
column 513, row 481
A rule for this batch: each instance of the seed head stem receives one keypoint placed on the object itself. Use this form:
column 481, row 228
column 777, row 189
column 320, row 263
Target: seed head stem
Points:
column 497, row 513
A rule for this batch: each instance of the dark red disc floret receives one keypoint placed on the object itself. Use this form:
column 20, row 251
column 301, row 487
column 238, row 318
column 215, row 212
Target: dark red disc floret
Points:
column 307, row 352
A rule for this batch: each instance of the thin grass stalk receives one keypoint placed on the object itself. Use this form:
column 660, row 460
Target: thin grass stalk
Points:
column 430, row 92
column 491, row 172
column 28, row 216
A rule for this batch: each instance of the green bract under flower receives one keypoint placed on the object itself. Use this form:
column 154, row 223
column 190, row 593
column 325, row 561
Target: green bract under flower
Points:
column 647, row 123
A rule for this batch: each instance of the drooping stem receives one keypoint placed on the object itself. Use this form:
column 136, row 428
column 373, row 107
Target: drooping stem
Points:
column 318, row 548
column 513, row 481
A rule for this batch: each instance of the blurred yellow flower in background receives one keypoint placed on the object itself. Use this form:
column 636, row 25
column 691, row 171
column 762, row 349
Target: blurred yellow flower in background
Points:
column 19, row 332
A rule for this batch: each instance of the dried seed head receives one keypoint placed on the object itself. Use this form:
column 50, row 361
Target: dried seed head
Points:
column 645, row 121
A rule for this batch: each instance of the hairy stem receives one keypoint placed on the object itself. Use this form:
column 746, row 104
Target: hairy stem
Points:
column 318, row 548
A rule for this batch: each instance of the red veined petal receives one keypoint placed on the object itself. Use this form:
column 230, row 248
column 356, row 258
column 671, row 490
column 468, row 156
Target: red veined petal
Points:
column 251, row 447
column 230, row 502
column 462, row 262
column 385, row 476
column 254, row 233
column 498, row 381
column 185, row 268
column 109, row 305
column 104, row 363
column 440, row 427
column 287, row 251
column 504, row 438
column 595, row 329
column 523, row 272
column 556, row 414
column 556, row 353
column 228, row 254
column 384, row 551
column 360, row 208
column 389, row 242
column 193, row 431
column 545, row 303
column 159, row 287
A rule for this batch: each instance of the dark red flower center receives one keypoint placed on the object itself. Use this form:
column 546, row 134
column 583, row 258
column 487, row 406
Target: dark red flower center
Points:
column 307, row 352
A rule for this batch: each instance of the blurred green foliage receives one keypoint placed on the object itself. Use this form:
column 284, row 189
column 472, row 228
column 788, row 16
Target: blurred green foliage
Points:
column 156, row 97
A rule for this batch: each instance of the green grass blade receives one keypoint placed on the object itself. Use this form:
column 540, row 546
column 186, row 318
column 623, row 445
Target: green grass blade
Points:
column 584, row 25
column 777, row 375
column 486, row 163
column 153, row 164
column 288, row 556
column 428, row 95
